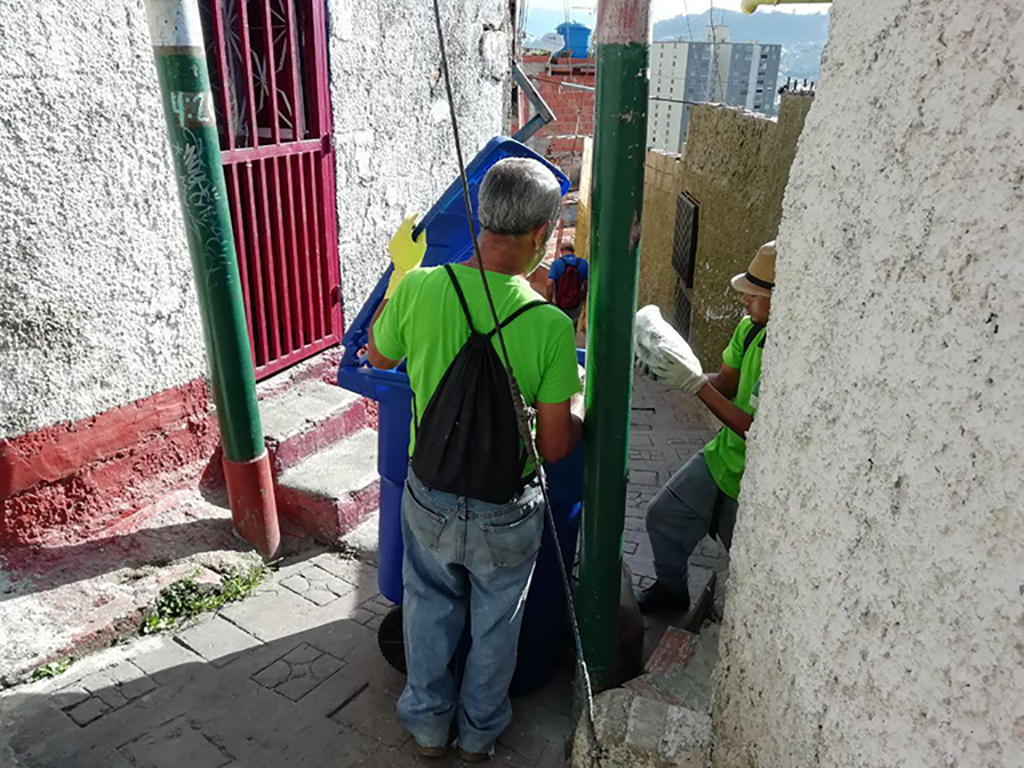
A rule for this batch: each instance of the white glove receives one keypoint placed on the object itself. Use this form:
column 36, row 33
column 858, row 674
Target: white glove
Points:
column 664, row 355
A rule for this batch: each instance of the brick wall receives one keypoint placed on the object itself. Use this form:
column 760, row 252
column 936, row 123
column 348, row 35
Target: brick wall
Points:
column 561, row 141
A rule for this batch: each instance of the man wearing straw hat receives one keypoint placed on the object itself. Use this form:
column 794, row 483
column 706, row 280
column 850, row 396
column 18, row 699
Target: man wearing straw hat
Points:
column 700, row 498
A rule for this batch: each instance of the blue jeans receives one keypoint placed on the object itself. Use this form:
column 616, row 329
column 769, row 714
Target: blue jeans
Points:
column 679, row 516
column 462, row 558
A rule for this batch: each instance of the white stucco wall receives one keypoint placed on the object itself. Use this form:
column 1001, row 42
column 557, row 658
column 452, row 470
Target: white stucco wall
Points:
column 97, row 307
column 875, row 614
column 393, row 133
column 96, row 301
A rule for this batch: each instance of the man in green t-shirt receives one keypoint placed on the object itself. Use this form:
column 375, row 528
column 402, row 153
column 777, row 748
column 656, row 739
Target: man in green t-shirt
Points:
column 462, row 554
column 700, row 499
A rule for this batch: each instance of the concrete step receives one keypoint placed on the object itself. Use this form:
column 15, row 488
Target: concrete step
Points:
column 308, row 417
column 329, row 493
column 679, row 672
column 663, row 717
column 639, row 732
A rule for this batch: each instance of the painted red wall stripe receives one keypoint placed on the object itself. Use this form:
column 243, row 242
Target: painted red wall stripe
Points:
column 59, row 451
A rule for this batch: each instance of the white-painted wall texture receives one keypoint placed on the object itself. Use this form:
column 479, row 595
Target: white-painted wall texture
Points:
column 875, row 608
column 96, row 301
column 395, row 150
column 97, row 307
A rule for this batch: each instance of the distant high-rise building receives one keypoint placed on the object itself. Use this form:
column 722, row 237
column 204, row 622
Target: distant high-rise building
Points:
column 716, row 70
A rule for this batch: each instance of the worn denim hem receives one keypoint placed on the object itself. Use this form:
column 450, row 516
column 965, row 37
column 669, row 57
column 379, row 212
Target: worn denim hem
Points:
column 470, row 745
column 428, row 737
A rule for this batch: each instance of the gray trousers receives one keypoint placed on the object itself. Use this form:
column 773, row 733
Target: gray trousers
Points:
column 574, row 315
column 680, row 515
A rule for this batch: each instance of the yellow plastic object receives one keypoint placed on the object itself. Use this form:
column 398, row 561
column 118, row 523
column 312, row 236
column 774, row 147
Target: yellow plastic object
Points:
column 749, row 6
column 406, row 253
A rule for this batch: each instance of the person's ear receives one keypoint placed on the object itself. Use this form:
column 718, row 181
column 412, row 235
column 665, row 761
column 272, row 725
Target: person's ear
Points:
column 540, row 234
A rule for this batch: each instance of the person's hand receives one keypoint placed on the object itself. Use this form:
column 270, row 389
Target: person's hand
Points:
column 406, row 253
column 664, row 355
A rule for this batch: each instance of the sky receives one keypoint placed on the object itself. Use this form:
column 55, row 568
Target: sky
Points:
column 581, row 10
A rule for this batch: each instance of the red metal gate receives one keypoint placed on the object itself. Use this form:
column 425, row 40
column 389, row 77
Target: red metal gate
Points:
column 268, row 71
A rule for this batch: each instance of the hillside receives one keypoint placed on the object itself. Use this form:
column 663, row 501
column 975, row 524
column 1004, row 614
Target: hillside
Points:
column 787, row 29
column 802, row 36
column 542, row 20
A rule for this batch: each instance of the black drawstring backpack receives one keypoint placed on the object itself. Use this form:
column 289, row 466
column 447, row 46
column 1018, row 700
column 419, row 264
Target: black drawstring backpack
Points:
column 468, row 443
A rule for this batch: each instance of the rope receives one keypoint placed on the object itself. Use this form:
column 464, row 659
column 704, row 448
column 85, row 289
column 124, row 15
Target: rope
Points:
column 686, row 13
column 523, row 416
column 716, row 72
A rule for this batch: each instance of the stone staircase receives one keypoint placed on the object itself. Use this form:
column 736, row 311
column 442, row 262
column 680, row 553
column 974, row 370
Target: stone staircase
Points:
column 67, row 598
column 324, row 455
column 661, row 719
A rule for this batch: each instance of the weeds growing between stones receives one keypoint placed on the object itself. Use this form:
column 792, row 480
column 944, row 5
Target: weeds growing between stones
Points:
column 186, row 598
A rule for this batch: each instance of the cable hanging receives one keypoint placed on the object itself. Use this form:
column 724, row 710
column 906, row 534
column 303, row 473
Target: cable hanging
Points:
column 523, row 415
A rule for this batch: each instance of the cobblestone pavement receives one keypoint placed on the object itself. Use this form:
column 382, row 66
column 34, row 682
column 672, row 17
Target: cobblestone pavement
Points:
column 293, row 675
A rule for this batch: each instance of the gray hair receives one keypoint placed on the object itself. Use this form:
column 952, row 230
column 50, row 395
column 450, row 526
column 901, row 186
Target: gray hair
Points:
column 518, row 194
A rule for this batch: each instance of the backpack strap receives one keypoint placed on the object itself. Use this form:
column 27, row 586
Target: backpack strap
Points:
column 755, row 329
column 517, row 313
column 465, row 306
column 462, row 297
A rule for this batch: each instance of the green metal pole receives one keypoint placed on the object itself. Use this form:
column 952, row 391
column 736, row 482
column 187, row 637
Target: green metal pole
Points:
column 188, row 107
column 620, row 135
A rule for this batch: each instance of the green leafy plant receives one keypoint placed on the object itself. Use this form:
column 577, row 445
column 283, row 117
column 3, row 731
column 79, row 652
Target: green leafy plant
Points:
column 53, row 669
column 238, row 584
column 185, row 598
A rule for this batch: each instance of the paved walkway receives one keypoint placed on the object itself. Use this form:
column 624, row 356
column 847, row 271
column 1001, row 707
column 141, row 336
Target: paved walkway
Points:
column 289, row 676
column 667, row 428
column 293, row 675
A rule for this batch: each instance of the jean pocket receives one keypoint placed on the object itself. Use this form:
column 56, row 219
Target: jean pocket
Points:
column 513, row 541
column 425, row 524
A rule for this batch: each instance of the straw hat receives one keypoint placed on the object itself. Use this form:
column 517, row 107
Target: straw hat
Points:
column 759, row 279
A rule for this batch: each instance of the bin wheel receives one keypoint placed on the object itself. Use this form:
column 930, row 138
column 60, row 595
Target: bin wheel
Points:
column 390, row 639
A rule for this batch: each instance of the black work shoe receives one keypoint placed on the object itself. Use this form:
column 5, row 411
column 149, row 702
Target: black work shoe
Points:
column 657, row 598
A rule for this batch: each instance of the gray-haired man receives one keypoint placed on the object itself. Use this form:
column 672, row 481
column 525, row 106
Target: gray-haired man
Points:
column 466, row 556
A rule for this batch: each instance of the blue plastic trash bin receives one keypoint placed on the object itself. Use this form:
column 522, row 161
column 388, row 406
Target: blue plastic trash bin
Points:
column 448, row 240
column 545, row 616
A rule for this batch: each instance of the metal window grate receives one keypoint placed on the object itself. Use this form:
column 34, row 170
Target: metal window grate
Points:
column 682, row 314
column 684, row 248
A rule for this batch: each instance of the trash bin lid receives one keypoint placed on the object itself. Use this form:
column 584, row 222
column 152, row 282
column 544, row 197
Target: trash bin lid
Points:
column 448, row 241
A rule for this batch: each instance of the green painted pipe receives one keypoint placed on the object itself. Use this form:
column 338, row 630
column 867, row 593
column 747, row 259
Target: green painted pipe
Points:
column 192, row 132
column 620, row 136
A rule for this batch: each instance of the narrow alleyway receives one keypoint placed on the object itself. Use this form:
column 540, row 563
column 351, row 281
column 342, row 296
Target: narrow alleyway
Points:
column 293, row 675
column 667, row 428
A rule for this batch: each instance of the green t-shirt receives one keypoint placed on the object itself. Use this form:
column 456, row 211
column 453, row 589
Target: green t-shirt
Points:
column 726, row 454
column 424, row 324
